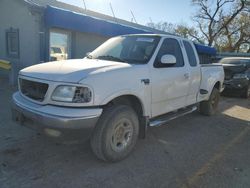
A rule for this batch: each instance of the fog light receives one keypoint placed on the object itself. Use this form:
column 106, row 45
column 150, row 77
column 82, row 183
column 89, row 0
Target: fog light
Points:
column 52, row 132
column 239, row 85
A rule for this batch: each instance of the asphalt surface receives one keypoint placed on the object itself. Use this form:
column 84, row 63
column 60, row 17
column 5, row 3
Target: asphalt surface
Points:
column 190, row 152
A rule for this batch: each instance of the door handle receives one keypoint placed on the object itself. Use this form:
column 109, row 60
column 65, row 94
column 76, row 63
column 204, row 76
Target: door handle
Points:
column 186, row 75
column 145, row 81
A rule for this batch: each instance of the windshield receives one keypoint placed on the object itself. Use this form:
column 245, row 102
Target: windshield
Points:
column 235, row 61
column 130, row 49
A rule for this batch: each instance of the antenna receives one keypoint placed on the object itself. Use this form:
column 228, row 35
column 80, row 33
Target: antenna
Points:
column 84, row 5
column 112, row 10
column 133, row 16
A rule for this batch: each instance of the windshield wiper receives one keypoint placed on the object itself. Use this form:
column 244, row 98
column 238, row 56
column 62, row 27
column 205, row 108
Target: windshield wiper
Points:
column 111, row 58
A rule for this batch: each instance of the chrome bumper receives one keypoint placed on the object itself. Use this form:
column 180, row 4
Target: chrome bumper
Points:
column 53, row 118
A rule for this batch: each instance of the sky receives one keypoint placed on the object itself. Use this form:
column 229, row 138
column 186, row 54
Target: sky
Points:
column 172, row 11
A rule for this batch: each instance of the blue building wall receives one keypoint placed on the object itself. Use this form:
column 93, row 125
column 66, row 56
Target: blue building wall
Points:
column 55, row 17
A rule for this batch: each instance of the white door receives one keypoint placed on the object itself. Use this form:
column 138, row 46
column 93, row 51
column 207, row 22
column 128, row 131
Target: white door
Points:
column 169, row 82
column 195, row 73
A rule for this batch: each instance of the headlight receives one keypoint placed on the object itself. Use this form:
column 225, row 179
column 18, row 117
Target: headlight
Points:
column 72, row 94
column 239, row 76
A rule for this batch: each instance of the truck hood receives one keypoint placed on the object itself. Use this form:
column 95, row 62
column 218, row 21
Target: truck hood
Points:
column 71, row 71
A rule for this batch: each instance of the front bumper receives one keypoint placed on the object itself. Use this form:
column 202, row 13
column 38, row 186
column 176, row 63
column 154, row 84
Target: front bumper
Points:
column 237, row 84
column 54, row 121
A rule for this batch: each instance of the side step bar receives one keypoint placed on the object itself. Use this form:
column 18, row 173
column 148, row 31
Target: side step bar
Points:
column 170, row 116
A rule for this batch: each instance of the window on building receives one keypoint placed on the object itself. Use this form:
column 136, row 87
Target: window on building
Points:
column 12, row 43
column 59, row 45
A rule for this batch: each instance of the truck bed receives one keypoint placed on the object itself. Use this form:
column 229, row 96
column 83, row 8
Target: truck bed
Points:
column 209, row 74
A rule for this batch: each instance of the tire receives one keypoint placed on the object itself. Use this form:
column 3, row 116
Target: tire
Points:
column 246, row 92
column 210, row 106
column 116, row 133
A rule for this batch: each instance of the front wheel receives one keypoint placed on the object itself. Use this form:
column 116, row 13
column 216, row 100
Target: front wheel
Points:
column 115, row 134
column 210, row 106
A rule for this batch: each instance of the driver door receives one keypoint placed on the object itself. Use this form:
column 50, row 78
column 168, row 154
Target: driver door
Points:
column 169, row 82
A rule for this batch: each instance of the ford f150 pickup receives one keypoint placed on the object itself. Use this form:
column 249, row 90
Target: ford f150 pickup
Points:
column 127, row 84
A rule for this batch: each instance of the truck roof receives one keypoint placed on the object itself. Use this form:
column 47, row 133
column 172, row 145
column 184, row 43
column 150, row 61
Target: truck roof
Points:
column 201, row 49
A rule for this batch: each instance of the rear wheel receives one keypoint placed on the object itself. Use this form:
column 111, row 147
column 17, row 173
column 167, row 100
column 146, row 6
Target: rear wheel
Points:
column 210, row 106
column 116, row 133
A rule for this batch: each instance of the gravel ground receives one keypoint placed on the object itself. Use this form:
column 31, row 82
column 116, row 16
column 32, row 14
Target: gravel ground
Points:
column 190, row 152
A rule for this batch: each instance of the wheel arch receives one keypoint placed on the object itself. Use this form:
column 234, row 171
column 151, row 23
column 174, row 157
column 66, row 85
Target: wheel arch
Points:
column 137, row 105
column 130, row 100
column 217, row 85
column 129, row 96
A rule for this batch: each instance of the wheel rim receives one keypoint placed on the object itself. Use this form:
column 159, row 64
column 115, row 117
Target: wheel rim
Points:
column 214, row 101
column 122, row 135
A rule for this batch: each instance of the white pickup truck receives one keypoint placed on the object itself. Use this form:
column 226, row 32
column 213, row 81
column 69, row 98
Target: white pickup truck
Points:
column 127, row 84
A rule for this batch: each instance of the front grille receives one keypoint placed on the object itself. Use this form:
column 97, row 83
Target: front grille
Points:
column 33, row 90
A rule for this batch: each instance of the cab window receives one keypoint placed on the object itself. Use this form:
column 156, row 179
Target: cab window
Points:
column 169, row 46
column 190, row 53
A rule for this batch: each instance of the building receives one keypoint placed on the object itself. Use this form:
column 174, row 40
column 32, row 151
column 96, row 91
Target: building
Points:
column 36, row 31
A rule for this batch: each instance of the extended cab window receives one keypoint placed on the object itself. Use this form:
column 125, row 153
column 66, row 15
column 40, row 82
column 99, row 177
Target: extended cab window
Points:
column 170, row 47
column 190, row 53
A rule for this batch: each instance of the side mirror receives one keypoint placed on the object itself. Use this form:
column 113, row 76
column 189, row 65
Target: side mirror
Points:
column 168, row 59
column 88, row 55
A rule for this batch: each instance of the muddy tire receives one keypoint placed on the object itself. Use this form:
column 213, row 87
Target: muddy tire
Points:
column 210, row 106
column 116, row 133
